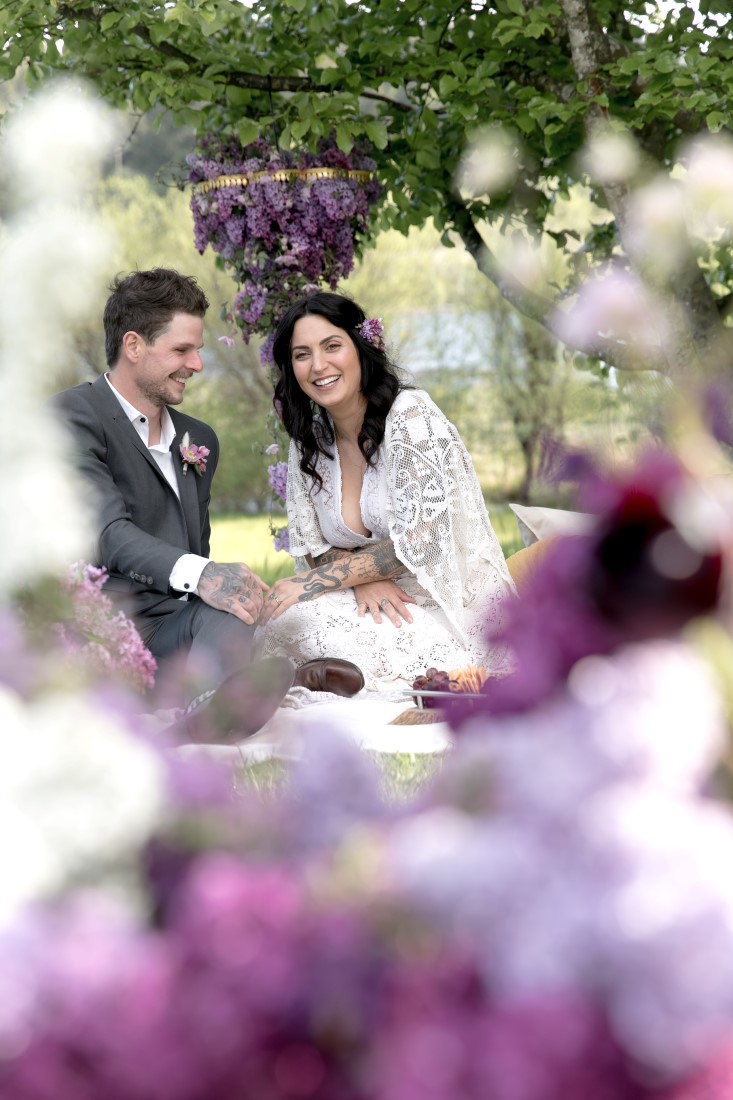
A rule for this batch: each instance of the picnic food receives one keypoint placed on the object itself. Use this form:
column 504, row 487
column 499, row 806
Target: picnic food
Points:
column 469, row 679
column 459, row 681
column 434, row 680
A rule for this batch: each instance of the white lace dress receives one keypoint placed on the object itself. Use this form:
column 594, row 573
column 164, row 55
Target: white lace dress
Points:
column 424, row 495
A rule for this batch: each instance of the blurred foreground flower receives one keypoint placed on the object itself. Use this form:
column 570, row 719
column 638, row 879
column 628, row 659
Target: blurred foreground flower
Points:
column 99, row 637
column 644, row 573
column 551, row 920
column 79, row 794
column 51, row 233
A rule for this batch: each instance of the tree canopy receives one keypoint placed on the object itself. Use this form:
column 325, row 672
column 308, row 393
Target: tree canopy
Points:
column 417, row 79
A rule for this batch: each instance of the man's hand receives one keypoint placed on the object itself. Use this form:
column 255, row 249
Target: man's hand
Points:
column 383, row 598
column 232, row 587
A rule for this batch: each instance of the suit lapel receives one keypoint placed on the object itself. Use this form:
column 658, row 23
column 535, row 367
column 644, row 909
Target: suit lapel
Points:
column 186, row 487
column 112, row 409
column 188, row 496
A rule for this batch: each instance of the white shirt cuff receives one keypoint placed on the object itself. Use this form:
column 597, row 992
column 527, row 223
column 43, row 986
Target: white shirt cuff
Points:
column 187, row 572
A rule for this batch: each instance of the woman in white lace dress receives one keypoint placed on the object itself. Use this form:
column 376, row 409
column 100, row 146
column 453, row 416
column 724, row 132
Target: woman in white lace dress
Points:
column 397, row 566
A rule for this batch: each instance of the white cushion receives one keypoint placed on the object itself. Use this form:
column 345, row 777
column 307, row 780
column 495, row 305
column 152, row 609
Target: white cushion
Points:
column 546, row 523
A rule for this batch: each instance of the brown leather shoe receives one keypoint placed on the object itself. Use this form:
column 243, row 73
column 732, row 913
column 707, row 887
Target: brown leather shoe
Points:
column 330, row 674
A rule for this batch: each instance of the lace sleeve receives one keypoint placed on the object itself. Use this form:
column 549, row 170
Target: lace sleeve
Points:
column 438, row 520
column 304, row 530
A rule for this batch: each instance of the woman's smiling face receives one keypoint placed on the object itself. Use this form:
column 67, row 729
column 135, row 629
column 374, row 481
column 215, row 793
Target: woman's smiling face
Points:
column 326, row 364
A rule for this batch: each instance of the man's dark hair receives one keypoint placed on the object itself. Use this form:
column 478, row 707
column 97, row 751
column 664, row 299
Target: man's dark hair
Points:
column 146, row 302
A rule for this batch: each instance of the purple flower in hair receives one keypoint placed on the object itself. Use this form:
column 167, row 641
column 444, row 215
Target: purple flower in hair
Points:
column 372, row 330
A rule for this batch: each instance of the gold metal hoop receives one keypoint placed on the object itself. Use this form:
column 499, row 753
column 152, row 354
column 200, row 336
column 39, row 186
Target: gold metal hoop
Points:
column 281, row 175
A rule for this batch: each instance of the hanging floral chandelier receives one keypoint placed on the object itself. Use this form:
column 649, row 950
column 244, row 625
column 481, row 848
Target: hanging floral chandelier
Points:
column 282, row 223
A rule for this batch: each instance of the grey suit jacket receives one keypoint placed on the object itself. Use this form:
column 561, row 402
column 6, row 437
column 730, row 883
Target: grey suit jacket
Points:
column 143, row 527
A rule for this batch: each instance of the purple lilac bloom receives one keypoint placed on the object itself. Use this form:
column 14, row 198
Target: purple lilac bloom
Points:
column 277, row 475
column 595, row 868
column 277, row 237
column 281, row 539
column 372, row 330
column 637, row 576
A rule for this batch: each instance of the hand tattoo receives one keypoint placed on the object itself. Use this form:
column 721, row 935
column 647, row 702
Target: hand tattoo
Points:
column 230, row 583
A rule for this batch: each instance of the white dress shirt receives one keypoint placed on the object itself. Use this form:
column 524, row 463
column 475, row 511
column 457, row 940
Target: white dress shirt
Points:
column 187, row 571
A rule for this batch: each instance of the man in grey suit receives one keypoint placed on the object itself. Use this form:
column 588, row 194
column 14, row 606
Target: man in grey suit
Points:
column 153, row 505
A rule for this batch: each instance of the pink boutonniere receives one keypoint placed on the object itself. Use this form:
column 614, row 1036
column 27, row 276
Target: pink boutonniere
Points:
column 193, row 455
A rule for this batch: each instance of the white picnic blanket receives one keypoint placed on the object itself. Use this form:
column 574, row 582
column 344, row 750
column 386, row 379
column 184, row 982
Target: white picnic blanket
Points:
column 364, row 718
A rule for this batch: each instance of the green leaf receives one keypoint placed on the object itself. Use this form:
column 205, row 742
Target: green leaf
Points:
column 109, row 19
column 447, row 85
column 515, row 6
column 525, row 122
column 715, row 121
column 344, row 138
column 428, row 158
column 158, row 32
column 376, row 131
column 300, row 127
column 665, row 63
column 248, row 130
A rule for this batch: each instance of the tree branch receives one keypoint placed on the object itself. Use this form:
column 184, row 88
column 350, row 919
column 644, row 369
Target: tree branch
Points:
column 257, row 82
column 541, row 309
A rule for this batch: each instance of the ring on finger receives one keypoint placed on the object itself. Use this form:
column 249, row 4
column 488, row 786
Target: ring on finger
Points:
column 385, row 604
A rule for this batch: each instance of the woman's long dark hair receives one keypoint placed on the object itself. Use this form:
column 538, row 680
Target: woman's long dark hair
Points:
column 380, row 382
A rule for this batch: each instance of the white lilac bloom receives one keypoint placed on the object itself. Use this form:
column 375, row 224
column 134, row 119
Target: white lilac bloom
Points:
column 490, row 164
column 664, row 922
column 611, row 157
column 79, row 794
column 708, row 185
column 595, row 866
column 615, row 305
column 655, row 230
column 52, row 259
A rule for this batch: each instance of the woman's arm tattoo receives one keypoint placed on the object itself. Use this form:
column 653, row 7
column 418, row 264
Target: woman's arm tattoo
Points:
column 329, row 556
column 346, row 568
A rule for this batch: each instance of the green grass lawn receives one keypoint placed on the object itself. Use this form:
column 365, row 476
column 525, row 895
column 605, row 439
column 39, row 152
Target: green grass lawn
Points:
column 248, row 539
column 402, row 775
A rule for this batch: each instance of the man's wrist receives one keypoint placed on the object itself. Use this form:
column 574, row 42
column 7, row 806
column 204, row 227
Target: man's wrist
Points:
column 186, row 573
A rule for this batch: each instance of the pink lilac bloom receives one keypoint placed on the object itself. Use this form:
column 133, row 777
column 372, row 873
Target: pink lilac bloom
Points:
column 248, row 987
column 443, row 1039
column 615, row 305
column 98, row 637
